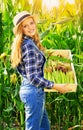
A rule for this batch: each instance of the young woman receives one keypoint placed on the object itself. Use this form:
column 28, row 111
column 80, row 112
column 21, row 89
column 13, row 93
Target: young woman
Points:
column 28, row 57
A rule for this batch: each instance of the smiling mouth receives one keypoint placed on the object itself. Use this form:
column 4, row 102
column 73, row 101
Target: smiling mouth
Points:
column 31, row 31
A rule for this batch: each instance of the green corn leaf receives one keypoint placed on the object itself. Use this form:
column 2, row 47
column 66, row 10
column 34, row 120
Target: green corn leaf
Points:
column 79, row 56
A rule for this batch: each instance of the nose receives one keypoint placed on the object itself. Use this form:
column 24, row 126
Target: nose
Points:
column 29, row 26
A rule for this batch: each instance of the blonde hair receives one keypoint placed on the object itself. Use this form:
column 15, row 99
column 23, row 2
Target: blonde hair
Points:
column 16, row 45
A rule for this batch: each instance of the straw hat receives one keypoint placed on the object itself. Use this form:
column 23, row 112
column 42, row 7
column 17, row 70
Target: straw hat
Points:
column 20, row 17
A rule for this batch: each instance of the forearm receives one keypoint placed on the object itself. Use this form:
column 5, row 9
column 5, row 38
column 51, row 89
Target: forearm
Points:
column 40, row 81
column 62, row 88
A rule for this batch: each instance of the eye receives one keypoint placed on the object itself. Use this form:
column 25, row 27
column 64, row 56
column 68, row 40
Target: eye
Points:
column 32, row 23
column 24, row 26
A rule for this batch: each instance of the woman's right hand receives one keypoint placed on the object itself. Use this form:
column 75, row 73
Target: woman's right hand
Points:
column 62, row 88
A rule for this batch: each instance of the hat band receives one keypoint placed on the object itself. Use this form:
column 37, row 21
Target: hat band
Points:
column 22, row 18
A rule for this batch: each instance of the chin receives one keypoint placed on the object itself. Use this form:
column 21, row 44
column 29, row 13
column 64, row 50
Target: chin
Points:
column 32, row 34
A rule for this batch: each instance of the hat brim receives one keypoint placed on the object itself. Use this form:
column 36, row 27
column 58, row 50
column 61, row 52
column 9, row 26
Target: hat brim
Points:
column 31, row 16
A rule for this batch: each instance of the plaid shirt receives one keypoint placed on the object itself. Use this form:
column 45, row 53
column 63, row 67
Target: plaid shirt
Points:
column 32, row 64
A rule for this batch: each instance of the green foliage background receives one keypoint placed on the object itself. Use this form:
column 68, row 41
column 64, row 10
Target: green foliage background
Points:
column 64, row 31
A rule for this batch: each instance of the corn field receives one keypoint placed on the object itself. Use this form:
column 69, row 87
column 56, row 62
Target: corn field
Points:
column 59, row 28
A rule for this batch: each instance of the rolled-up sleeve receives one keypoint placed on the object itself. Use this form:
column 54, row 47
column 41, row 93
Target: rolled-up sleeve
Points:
column 30, row 62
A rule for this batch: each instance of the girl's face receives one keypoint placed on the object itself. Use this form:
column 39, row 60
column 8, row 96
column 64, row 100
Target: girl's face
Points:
column 29, row 27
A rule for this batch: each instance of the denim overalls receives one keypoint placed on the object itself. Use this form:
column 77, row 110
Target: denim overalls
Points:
column 35, row 112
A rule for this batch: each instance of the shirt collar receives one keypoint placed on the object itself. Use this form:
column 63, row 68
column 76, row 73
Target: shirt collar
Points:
column 26, row 37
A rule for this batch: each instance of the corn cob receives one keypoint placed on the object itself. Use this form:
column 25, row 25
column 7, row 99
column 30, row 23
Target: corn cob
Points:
column 58, row 71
